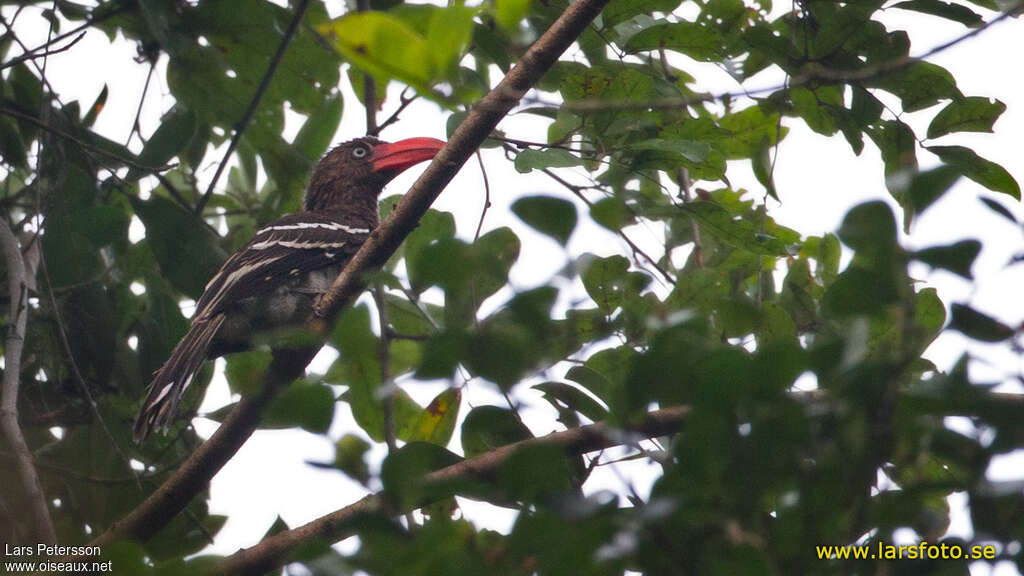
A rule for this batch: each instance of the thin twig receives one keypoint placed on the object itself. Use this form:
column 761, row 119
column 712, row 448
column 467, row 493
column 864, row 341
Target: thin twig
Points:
column 632, row 245
column 487, row 196
column 254, row 103
column 136, row 130
column 87, row 24
column 403, row 103
column 13, row 345
column 14, row 113
column 33, row 55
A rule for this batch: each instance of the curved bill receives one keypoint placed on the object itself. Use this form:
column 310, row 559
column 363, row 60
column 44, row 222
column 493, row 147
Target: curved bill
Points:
column 398, row 156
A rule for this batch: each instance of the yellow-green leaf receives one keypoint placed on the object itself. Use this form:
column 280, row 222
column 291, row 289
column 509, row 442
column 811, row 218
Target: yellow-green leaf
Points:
column 383, row 46
column 508, row 13
column 437, row 421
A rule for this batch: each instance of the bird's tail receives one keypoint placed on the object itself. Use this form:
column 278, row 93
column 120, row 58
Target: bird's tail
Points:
column 174, row 376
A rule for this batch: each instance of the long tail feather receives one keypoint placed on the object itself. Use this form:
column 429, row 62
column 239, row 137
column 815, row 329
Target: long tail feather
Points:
column 174, row 376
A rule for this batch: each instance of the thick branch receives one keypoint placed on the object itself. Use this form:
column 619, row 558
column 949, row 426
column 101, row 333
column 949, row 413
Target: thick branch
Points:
column 168, row 500
column 13, row 344
column 273, row 551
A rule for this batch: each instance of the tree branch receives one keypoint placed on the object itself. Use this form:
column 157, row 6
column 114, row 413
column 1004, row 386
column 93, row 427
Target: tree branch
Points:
column 13, row 344
column 273, row 551
column 168, row 500
column 254, row 103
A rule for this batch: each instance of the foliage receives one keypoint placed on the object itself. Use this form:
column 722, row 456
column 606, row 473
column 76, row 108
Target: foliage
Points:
column 724, row 317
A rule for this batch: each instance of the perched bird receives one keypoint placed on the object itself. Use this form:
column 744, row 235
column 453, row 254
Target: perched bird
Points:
column 275, row 279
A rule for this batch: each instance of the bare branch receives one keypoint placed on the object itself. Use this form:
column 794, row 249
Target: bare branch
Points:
column 13, row 344
column 273, row 551
column 254, row 103
column 288, row 364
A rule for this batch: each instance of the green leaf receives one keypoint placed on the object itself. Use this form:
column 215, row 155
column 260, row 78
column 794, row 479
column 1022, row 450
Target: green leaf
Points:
column 699, row 42
column 984, row 172
column 692, row 150
column 350, row 457
column 818, row 107
column 12, row 147
column 175, row 132
column 559, row 395
column 734, row 232
column 957, row 258
column 508, row 13
column 870, row 228
column 604, row 279
column 384, row 46
column 448, row 34
column 610, row 212
column 920, row 85
column 897, row 143
column 974, row 114
column 303, row 404
column 928, row 186
column 999, row 209
column 245, row 370
column 621, row 10
column 948, row 10
column 403, row 471
column 552, row 216
column 488, row 427
column 977, row 325
column 531, row 159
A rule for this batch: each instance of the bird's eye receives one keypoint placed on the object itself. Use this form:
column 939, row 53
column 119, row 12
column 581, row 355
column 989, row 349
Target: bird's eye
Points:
column 360, row 152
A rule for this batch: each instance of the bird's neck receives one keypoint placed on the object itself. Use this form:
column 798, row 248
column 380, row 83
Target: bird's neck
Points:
column 360, row 212
column 356, row 208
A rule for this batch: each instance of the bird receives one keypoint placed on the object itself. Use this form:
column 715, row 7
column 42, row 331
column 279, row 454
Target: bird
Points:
column 274, row 281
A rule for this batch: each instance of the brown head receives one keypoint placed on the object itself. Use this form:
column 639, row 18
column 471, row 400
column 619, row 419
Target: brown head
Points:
column 350, row 177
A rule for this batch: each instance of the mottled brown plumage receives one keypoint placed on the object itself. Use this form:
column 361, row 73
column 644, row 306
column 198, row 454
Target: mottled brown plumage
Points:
column 273, row 281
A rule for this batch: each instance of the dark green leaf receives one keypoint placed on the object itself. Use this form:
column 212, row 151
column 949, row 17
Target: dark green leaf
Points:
column 999, row 209
column 12, row 148
column 187, row 251
column 488, row 427
column 948, row 10
column 531, row 159
column 972, row 114
column 175, row 132
column 610, row 212
column 984, row 172
column 699, row 42
column 560, row 394
column 927, row 187
column 552, row 216
column 957, row 258
column 403, row 470
column 306, row 405
column 978, row 325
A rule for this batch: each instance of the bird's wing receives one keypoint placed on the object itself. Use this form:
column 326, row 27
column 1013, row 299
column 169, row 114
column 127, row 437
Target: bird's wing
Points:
column 287, row 247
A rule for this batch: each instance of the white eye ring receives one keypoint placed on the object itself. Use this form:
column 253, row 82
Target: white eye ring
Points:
column 360, row 152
